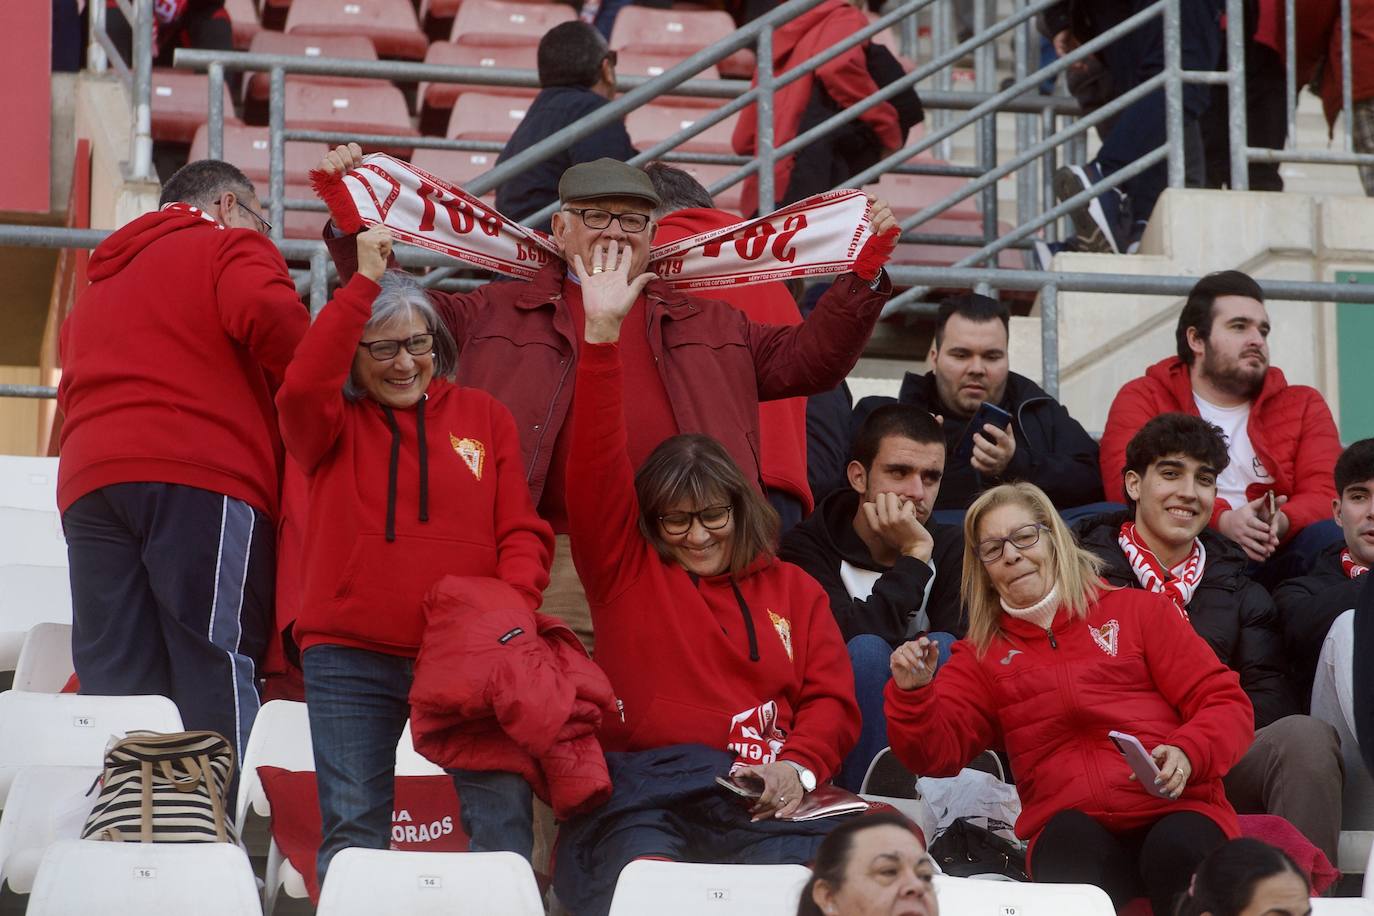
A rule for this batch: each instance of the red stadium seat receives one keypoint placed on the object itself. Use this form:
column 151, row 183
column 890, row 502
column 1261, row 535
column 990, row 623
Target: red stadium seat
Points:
column 909, row 194
column 499, row 23
column 247, row 148
column 653, row 122
column 390, row 24
column 181, row 103
column 913, row 254
column 358, row 109
column 437, row 98
column 300, row 224
column 257, row 91
column 244, row 18
column 478, row 116
column 455, row 166
column 630, row 63
column 729, row 199
column 675, row 34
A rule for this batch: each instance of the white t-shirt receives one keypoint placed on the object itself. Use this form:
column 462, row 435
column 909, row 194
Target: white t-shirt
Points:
column 1245, row 468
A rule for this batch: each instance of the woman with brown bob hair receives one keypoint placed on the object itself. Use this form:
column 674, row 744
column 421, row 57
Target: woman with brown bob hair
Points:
column 726, row 661
column 1054, row 661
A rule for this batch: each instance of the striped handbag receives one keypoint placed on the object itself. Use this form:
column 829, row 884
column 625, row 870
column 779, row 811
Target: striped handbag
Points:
column 160, row 788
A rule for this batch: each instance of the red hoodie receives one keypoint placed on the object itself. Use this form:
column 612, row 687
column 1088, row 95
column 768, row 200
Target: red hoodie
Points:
column 361, row 589
column 170, row 360
column 678, row 652
column 845, row 79
column 782, row 424
column 1290, row 427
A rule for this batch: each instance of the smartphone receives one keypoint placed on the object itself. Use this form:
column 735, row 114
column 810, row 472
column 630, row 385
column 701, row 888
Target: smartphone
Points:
column 744, row 786
column 1269, row 504
column 1142, row 764
column 987, row 413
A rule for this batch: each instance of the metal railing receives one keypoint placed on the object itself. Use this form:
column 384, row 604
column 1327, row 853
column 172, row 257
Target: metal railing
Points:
column 138, row 78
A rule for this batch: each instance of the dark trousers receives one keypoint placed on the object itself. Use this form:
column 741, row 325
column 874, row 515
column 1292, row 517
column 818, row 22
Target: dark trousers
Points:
column 1266, row 119
column 172, row 594
column 1156, row 862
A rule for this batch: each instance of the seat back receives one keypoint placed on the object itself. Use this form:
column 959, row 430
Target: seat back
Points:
column 689, row 889
column 1342, row 906
column 972, row 895
column 181, row 103
column 280, row 738
column 30, row 595
column 364, row 882
column 652, row 123
column 45, row 804
column 249, row 148
column 496, row 22
column 391, row 25
column 28, row 483
column 478, row 116
column 45, row 660
column 674, row 33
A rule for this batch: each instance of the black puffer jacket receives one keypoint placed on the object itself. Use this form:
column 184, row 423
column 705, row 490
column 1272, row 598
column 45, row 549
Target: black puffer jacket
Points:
column 1235, row 615
column 1053, row 451
column 1307, row 607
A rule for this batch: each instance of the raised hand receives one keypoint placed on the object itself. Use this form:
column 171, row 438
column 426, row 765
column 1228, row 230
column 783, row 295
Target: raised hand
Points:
column 993, row 449
column 880, row 215
column 374, row 247
column 608, row 291
column 893, row 519
column 1247, row 526
column 913, row 663
column 340, row 159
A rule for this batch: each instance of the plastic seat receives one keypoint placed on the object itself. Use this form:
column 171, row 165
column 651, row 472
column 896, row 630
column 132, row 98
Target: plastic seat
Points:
column 1342, row 906
column 921, row 254
column 257, row 92
column 30, row 537
column 909, row 194
column 181, row 103
column 298, row 224
column 970, row 895
column 30, row 595
column 45, row 804
column 355, row 109
column 478, row 116
column 689, row 889
column 380, row 882
column 249, row 148
column 731, row 198
column 28, row 483
column 45, row 660
column 243, row 17
column 652, row 123
column 455, row 166
column 677, row 34
column 390, row 24
column 68, row 729
column 496, row 23
column 437, row 99
column 630, row 63
column 89, row 876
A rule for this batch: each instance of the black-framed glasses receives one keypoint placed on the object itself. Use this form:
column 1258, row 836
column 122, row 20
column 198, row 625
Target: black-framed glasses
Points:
column 382, row 350
column 1023, row 538
column 712, row 518
column 600, row 219
column 266, row 226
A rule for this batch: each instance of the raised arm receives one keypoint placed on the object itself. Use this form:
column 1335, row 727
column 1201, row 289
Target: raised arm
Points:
column 257, row 302
column 937, row 728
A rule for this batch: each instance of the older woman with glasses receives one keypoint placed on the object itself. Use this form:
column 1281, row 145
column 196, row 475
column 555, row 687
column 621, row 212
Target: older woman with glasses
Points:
column 1054, row 662
column 410, row 479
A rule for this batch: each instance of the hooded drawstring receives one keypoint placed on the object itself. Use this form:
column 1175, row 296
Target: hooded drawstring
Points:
column 744, row 612
column 395, row 463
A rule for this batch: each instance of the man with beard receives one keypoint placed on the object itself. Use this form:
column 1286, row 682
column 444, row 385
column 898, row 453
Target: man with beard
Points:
column 1274, row 497
column 890, row 574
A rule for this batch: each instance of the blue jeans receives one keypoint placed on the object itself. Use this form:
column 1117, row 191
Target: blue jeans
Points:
column 358, row 703
column 868, row 655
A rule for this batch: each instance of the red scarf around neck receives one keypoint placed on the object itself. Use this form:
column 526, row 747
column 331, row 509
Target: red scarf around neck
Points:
column 1352, row 569
column 1178, row 583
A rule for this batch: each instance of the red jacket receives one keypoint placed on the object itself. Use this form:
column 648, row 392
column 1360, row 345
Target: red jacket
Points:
column 845, row 79
column 1290, row 428
column 1318, row 42
column 782, row 423
column 500, row 687
column 716, row 363
column 1052, row 707
column 170, row 360
column 360, row 589
column 678, row 651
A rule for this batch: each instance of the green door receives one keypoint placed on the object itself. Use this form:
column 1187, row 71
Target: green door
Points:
column 1354, row 347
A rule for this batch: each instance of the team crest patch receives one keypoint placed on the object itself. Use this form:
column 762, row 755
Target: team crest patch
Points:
column 472, row 451
column 1105, row 636
column 784, row 628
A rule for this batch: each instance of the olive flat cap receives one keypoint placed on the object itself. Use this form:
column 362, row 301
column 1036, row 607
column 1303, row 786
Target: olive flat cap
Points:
column 606, row 178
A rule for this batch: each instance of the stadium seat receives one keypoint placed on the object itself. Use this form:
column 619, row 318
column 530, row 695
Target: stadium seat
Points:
column 630, row 63
column 45, row 804
column 256, row 94
column 689, row 889
column 365, row 882
column 181, row 103
column 437, row 99
column 971, row 895
column 30, row 595
column 45, row 660
column 249, row 149
column 676, row 34
column 454, row 166
column 87, row 876
column 390, row 24
column 243, row 17
column 478, row 116
column 298, row 224
column 921, row 254
column 28, row 483
column 654, row 122
column 352, row 109
column 909, row 194
column 68, row 729
column 729, row 199
column 1342, row 906
column 496, row 23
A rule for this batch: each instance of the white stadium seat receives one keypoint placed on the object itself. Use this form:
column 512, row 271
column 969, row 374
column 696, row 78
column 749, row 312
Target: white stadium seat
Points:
column 384, row 882
column 28, row 483
column 1342, row 906
column 30, row 595
column 45, row 804
column 689, row 889
column 45, row 659
column 972, row 895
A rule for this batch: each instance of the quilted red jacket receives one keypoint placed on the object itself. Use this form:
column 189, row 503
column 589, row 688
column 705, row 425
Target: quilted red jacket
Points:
column 500, row 687
column 1290, row 427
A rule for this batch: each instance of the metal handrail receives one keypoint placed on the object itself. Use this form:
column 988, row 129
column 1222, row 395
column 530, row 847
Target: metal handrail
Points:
column 139, row 79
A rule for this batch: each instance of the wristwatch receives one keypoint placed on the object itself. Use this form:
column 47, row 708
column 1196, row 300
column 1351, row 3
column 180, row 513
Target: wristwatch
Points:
column 808, row 778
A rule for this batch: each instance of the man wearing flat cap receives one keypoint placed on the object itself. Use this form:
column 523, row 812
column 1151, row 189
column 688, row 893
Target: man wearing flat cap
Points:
column 699, row 365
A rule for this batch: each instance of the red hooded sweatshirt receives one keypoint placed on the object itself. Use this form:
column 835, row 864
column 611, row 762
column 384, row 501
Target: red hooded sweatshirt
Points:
column 782, row 424
column 845, row 79
column 170, row 360
column 687, row 656
column 463, row 509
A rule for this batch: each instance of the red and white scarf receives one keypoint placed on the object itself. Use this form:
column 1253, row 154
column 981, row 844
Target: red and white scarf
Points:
column 1178, row 583
column 825, row 234
column 755, row 737
column 1352, row 569
column 180, row 206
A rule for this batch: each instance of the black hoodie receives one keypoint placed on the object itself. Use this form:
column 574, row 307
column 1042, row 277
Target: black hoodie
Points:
column 821, row 543
column 1307, row 607
column 1234, row 614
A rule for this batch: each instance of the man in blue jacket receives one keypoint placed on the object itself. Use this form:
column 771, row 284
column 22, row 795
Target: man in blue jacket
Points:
column 576, row 77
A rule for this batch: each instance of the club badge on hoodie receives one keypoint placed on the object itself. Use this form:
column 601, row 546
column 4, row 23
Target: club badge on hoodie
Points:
column 472, row 451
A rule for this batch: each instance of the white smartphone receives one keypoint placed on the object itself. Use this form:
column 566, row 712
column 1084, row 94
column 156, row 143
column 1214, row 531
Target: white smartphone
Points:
column 1142, row 764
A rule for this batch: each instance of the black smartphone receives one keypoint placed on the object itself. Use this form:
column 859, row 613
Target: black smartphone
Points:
column 986, row 413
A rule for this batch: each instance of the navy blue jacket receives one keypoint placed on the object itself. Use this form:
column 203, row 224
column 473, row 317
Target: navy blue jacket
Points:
column 551, row 111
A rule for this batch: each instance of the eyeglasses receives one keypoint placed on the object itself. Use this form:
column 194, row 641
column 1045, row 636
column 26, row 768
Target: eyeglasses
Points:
column 600, row 219
column 1022, row 539
column 266, row 226
column 382, row 350
column 712, row 518
column 610, row 56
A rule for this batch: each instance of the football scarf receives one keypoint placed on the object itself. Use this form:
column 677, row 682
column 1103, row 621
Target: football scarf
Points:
column 1352, row 569
column 1178, row 583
